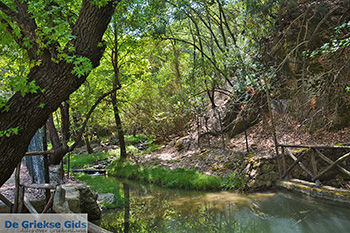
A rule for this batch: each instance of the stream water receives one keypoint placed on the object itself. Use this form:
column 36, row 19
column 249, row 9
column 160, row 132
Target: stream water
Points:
column 152, row 209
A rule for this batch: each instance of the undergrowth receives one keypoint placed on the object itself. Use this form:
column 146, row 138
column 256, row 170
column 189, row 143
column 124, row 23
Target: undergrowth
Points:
column 86, row 160
column 177, row 178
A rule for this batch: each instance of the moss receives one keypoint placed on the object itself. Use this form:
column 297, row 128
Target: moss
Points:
column 301, row 150
column 251, row 157
column 256, row 164
column 322, row 190
column 103, row 184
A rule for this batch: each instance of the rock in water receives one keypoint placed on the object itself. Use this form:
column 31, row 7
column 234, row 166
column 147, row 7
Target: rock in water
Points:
column 88, row 203
column 76, row 198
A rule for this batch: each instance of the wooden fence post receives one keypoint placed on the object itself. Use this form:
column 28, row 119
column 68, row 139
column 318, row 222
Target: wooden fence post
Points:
column 17, row 179
column 273, row 128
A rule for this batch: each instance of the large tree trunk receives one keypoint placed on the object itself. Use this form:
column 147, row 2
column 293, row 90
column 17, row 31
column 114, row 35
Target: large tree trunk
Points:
column 56, row 81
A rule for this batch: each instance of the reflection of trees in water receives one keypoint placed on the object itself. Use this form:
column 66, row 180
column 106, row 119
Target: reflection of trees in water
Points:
column 157, row 211
column 126, row 190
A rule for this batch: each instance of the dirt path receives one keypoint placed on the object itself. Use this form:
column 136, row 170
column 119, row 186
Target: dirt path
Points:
column 184, row 152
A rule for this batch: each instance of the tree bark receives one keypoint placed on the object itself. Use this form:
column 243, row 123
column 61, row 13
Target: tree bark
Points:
column 65, row 122
column 118, row 123
column 88, row 145
column 56, row 82
column 53, row 134
column 117, row 86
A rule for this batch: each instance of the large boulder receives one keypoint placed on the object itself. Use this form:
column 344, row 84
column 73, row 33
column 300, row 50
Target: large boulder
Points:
column 76, row 198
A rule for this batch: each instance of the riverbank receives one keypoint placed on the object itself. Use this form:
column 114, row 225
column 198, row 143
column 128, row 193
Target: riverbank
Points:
column 150, row 208
column 174, row 178
column 180, row 164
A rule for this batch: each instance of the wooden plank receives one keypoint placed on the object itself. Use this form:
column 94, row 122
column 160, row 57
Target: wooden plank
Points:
column 299, row 163
column 40, row 186
column 92, row 228
column 39, row 153
column 314, row 146
column 46, row 165
column 341, row 159
column 68, row 165
column 6, row 201
column 314, row 164
column 29, row 206
column 284, row 165
column 293, row 164
column 329, row 161
column 20, row 199
column 310, row 189
column 49, row 203
column 17, row 178
column 273, row 127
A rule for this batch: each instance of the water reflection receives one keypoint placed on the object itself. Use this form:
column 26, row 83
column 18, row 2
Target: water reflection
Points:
column 151, row 209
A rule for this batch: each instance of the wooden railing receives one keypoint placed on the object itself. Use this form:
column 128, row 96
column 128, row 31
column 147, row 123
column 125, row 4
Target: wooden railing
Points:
column 20, row 199
column 315, row 174
column 20, row 188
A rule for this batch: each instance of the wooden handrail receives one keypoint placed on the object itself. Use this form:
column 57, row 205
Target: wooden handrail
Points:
column 39, row 153
column 39, row 186
column 6, row 201
column 314, row 146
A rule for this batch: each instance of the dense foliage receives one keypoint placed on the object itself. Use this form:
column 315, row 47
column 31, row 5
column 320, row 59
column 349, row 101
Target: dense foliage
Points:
column 163, row 64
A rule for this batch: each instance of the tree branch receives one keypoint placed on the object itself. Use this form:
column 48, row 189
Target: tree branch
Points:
column 204, row 54
column 9, row 12
column 87, row 116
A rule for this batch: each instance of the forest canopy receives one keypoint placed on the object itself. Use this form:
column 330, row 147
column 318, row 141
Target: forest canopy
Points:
column 105, row 68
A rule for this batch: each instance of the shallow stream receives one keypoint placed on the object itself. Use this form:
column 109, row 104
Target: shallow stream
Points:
column 152, row 209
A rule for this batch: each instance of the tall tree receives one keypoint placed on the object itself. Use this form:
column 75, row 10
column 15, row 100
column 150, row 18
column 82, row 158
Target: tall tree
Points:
column 59, row 65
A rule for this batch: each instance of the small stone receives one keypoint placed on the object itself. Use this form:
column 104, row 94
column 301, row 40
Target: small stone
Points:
column 107, row 198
